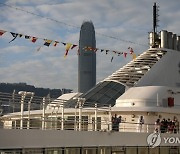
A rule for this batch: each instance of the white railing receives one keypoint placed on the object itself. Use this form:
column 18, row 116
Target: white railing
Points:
column 59, row 120
column 85, row 125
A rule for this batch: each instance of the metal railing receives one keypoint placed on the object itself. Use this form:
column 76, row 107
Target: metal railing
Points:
column 60, row 120
column 84, row 125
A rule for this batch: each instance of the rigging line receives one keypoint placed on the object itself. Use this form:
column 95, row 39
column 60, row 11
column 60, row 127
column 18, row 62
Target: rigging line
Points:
column 38, row 15
column 77, row 27
column 121, row 39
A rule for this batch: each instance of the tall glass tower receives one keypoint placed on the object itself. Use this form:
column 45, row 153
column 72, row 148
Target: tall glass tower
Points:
column 86, row 58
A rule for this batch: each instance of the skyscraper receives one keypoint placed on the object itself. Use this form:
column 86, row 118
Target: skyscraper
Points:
column 86, row 58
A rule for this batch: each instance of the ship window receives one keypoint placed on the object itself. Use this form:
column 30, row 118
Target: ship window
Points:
column 71, row 151
column 89, row 150
column 120, row 150
column 105, row 150
column 164, row 150
column 154, row 150
column 130, row 150
column 142, row 150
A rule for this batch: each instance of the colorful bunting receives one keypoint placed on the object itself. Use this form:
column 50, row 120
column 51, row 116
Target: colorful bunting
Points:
column 125, row 54
column 20, row 35
column 2, row 32
column 63, row 43
column 86, row 48
column 107, row 52
column 47, row 42
column 55, row 43
column 118, row 54
column 131, row 50
column 14, row 35
column 73, row 46
column 112, row 58
column 134, row 56
column 34, row 39
column 96, row 49
column 27, row 37
column 70, row 46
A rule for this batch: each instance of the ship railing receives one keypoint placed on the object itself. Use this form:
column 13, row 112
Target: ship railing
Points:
column 86, row 125
column 57, row 117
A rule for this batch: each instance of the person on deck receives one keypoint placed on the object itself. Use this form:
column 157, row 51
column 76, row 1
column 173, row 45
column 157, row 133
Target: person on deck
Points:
column 140, row 123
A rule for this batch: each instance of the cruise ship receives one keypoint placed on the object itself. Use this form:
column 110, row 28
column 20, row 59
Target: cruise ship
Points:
column 136, row 110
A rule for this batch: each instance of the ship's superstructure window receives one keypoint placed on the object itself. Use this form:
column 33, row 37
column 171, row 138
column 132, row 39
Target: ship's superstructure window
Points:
column 108, row 90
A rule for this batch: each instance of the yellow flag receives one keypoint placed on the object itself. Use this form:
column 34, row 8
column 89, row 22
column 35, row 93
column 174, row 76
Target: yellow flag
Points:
column 133, row 56
column 68, row 46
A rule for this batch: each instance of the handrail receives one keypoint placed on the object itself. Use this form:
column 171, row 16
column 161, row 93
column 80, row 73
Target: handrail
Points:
column 87, row 125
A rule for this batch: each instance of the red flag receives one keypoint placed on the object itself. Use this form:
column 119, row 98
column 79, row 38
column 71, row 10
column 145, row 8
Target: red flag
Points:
column 34, row 39
column 2, row 32
column 131, row 50
column 55, row 43
column 125, row 54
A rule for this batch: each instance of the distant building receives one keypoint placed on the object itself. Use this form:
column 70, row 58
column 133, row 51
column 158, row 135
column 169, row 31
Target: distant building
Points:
column 87, row 58
column 65, row 91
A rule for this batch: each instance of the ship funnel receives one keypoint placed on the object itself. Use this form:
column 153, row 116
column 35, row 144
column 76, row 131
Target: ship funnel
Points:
column 169, row 40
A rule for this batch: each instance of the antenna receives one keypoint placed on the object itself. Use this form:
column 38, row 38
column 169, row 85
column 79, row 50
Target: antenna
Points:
column 155, row 23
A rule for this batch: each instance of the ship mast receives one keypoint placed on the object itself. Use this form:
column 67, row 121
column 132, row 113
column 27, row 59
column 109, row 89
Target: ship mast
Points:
column 155, row 25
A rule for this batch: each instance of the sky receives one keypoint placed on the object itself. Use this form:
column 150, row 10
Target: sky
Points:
column 117, row 23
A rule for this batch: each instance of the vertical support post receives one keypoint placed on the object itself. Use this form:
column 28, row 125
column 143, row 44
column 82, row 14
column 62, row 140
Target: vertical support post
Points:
column 29, row 110
column 80, row 113
column 13, row 98
column 62, row 116
column 56, row 118
column 110, row 118
column 75, row 118
column 147, row 128
column 95, row 117
column 22, row 109
column 158, row 100
column 43, row 113
column 15, row 126
column 52, row 118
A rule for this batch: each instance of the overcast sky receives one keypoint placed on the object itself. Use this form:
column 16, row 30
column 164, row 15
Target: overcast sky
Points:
column 129, row 20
